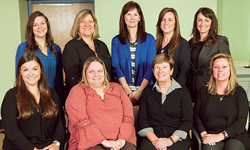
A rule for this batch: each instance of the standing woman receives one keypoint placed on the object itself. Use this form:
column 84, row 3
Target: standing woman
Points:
column 39, row 40
column 170, row 41
column 204, row 44
column 133, row 51
column 31, row 111
column 83, row 45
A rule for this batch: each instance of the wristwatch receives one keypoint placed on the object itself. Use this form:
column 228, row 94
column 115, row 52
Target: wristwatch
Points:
column 56, row 143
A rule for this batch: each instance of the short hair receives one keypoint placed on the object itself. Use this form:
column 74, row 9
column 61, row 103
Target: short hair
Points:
column 31, row 42
column 79, row 17
column 163, row 58
column 86, row 65
column 232, row 83
column 123, row 31
column 176, row 39
column 214, row 29
column 25, row 99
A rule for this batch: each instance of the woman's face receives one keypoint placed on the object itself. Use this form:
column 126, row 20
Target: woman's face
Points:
column 40, row 27
column 31, row 73
column 168, row 23
column 221, row 69
column 87, row 26
column 162, row 72
column 132, row 18
column 203, row 24
column 95, row 74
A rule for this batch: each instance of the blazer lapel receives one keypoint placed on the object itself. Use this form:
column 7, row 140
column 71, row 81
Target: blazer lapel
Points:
column 203, row 55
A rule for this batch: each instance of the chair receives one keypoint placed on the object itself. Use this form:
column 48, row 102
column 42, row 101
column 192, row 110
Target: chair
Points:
column 196, row 145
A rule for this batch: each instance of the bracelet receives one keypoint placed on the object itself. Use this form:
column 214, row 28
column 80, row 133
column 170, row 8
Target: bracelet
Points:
column 224, row 134
column 139, row 91
column 171, row 139
column 203, row 136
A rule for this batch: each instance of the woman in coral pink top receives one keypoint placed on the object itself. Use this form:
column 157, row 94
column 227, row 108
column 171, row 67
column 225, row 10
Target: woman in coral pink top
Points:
column 100, row 113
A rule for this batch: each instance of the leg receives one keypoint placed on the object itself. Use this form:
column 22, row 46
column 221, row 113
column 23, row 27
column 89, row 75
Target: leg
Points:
column 128, row 146
column 138, row 137
column 146, row 144
column 97, row 147
column 233, row 144
column 217, row 146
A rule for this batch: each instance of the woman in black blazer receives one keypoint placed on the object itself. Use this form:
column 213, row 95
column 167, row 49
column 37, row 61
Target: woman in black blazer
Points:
column 221, row 108
column 204, row 44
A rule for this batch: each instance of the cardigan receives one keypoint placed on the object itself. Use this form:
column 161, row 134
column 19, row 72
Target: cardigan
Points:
column 237, row 116
column 75, row 53
column 174, row 114
column 52, row 65
column 181, row 59
column 35, row 131
column 144, row 55
column 93, row 120
column 200, row 76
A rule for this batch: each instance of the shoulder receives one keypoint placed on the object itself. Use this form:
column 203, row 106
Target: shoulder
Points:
column 183, row 43
column 115, row 86
column 148, row 89
column 10, row 96
column 220, row 38
column 99, row 42
column 72, row 42
column 239, row 89
column 57, row 48
column 115, row 39
column 22, row 46
column 150, row 36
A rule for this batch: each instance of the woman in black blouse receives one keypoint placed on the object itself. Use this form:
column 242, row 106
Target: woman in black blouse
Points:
column 165, row 113
column 221, row 108
column 204, row 44
column 31, row 111
column 170, row 41
column 83, row 45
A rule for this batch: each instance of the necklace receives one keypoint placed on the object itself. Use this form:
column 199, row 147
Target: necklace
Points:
column 221, row 97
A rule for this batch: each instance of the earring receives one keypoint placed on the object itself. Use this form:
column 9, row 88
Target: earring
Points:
column 140, row 22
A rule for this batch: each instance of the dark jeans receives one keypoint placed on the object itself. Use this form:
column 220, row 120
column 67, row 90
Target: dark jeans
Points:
column 231, row 144
column 180, row 145
column 127, row 146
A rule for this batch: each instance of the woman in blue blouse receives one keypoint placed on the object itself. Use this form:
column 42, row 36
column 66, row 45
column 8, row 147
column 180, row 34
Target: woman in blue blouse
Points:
column 39, row 40
column 133, row 51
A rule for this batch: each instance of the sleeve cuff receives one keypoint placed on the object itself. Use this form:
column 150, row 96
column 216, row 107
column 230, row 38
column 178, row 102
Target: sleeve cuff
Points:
column 181, row 134
column 144, row 131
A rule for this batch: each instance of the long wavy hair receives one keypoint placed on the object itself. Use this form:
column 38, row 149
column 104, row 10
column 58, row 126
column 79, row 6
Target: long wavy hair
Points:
column 123, row 30
column 232, row 83
column 30, row 37
column 79, row 18
column 213, row 31
column 176, row 39
column 87, row 63
column 25, row 99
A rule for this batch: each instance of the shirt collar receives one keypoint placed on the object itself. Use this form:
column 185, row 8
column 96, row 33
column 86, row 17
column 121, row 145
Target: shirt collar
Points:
column 174, row 85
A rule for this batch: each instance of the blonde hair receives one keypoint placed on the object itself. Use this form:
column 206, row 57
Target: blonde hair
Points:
column 87, row 63
column 232, row 83
column 79, row 17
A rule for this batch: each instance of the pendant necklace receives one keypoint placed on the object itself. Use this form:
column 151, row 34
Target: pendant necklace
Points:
column 221, row 97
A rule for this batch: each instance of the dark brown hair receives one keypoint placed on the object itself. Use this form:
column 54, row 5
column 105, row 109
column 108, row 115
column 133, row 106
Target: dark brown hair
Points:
column 31, row 42
column 176, row 39
column 161, row 58
column 213, row 31
column 123, row 30
column 25, row 99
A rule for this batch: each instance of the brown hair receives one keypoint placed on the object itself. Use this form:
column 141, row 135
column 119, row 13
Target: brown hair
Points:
column 87, row 63
column 213, row 31
column 232, row 83
column 176, row 39
column 25, row 99
column 161, row 58
column 31, row 42
column 79, row 18
column 123, row 30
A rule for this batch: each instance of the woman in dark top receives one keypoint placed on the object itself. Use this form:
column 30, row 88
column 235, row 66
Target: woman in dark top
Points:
column 170, row 41
column 83, row 45
column 221, row 108
column 204, row 44
column 165, row 114
column 31, row 111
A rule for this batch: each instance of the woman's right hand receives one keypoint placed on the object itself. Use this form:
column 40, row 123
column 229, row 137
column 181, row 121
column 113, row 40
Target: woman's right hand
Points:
column 113, row 145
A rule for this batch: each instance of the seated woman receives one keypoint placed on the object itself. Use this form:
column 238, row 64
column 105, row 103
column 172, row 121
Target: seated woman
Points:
column 100, row 113
column 31, row 111
column 221, row 108
column 166, row 113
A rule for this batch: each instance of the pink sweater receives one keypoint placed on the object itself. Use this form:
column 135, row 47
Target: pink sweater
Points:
column 93, row 120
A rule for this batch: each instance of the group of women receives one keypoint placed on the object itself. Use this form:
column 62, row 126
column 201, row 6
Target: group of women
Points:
column 103, row 114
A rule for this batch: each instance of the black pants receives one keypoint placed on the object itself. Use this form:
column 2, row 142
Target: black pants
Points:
column 231, row 144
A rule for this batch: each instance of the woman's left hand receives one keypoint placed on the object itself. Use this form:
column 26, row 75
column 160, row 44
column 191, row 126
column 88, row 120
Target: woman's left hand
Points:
column 134, row 96
column 51, row 147
column 163, row 143
column 211, row 139
column 121, row 141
